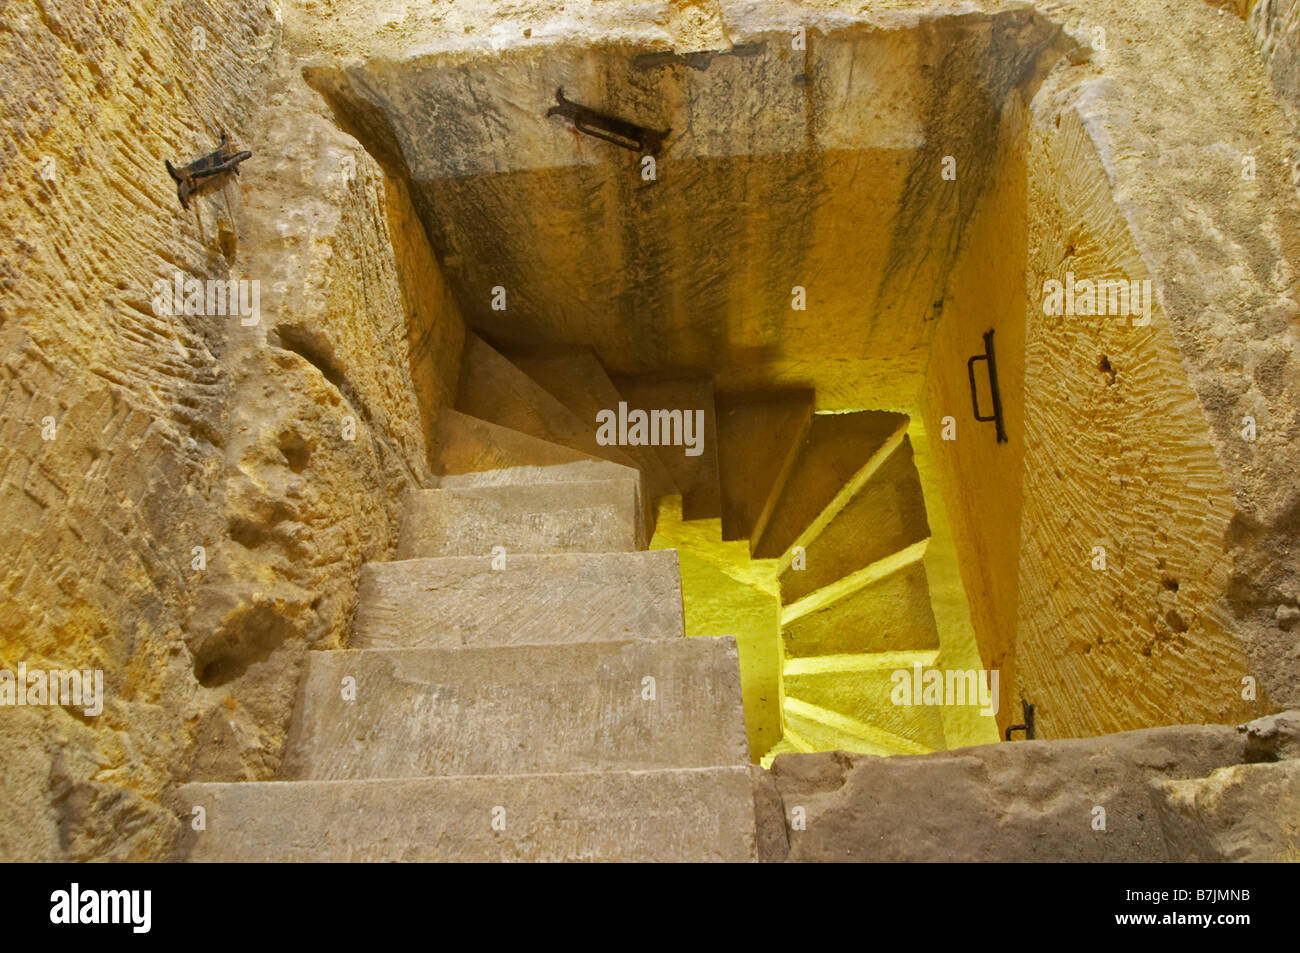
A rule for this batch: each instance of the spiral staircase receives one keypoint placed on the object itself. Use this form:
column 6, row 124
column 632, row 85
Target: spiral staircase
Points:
column 517, row 686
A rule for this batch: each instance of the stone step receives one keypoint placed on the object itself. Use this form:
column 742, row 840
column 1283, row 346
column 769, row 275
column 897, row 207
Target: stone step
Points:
column 531, row 709
column 577, row 379
column 463, row 602
column 860, row 692
column 579, row 471
column 495, row 390
column 883, row 608
column 836, row 447
column 883, row 517
column 600, row 516
column 811, row 727
column 690, row 815
column 473, row 452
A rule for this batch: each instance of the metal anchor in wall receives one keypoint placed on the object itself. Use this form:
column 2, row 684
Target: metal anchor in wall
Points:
column 627, row 135
column 1028, row 726
column 207, row 173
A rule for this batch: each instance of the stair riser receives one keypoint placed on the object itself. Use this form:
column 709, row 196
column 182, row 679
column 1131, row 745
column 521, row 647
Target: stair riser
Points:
column 520, row 710
column 696, row 477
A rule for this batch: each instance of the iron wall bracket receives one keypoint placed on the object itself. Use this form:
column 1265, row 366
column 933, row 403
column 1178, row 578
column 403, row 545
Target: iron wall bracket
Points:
column 627, row 135
column 989, row 359
column 199, row 175
column 1028, row 726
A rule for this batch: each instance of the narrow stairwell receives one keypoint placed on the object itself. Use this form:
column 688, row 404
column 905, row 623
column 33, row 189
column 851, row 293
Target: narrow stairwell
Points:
column 859, row 611
column 834, row 505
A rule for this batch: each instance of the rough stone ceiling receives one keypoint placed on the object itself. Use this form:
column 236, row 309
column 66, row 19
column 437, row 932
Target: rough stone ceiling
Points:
column 818, row 168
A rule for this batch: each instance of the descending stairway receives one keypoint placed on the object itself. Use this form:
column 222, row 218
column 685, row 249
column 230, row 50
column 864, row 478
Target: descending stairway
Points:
column 548, row 710
column 834, row 504
column 860, row 609
column 552, row 709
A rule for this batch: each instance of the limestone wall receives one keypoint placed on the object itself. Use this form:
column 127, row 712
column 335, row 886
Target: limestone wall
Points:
column 1170, row 444
column 976, row 479
column 131, row 437
column 1208, row 793
column 1168, row 160
column 1119, row 469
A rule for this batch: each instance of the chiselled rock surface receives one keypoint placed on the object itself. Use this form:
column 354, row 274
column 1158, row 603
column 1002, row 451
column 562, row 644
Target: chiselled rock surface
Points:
column 171, row 431
column 1161, row 794
column 1275, row 27
column 1248, row 812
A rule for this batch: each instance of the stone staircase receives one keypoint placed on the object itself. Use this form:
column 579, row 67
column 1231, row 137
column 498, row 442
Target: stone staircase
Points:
column 518, row 686
column 860, row 609
column 544, row 708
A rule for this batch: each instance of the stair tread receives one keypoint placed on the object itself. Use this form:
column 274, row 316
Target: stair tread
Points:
column 474, row 452
column 685, row 814
column 842, row 699
column 588, row 516
column 814, row 728
column 836, row 447
column 886, row 515
column 568, row 597
column 420, row 712
column 890, row 613
column 495, row 390
column 578, row 381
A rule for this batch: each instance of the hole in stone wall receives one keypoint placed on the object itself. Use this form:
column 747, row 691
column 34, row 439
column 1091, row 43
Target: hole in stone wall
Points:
column 250, row 636
column 296, row 451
